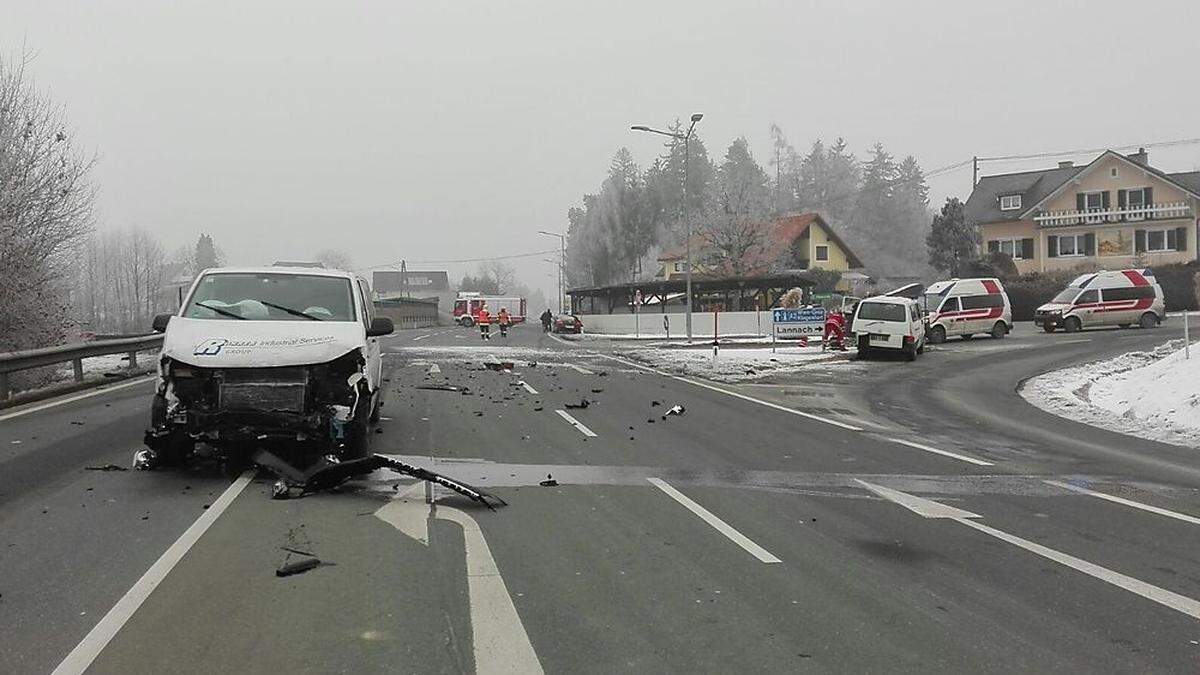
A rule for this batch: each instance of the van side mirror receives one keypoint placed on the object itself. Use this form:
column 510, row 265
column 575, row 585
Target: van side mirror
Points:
column 380, row 325
column 160, row 322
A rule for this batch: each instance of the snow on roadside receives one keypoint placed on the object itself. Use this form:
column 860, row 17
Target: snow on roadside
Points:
column 736, row 364
column 108, row 363
column 1150, row 394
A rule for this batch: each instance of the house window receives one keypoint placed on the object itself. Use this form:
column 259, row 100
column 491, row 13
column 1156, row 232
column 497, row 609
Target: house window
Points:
column 1158, row 241
column 822, row 254
column 1010, row 202
column 1092, row 202
column 678, row 267
column 1016, row 247
column 1113, row 172
column 1071, row 245
column 1135, row 202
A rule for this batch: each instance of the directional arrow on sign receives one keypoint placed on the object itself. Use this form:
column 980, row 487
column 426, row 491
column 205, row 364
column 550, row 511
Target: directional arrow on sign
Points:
column 501, row 644
column 927, row 508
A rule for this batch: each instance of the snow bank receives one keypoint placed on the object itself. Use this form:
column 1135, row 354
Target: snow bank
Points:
column 735, row 364
column 1152, row 394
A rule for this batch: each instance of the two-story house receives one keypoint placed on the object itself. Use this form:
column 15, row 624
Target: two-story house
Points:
column 797, row 242
column 1115, row 212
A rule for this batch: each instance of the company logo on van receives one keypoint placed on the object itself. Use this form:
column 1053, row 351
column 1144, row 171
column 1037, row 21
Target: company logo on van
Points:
column 216, row 346
column 210, row 347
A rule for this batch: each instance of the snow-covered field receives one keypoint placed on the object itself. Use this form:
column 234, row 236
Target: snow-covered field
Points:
column 736, row 364
column 1152, row 394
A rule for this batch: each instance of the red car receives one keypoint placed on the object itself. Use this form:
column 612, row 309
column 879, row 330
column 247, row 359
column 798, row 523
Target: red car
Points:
column 567, row 323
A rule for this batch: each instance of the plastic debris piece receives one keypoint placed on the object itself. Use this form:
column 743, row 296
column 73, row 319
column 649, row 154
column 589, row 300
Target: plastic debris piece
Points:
column 144, row 459
column 583, row 403
column 105, row 467
column 298, row 567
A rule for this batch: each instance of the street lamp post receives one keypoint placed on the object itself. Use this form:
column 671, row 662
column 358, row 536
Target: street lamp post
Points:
column 687, row 227
column 562, row 262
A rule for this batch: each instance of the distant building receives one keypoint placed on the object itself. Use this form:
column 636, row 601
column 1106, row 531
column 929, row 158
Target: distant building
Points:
column 391, row 283
column 794, row 243
column 1115, row 212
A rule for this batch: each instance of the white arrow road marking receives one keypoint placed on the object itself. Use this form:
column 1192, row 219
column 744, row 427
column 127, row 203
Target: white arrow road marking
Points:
column 1126, row 502
column 435, row 369
column 98, row 638
column 579, row 369
column 576, row 423
column 932, row 509
column 501, row 644
column 719, row 525
column 944, row 453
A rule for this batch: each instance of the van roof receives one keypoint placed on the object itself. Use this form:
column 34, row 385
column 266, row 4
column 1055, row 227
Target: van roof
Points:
column 1123, row 276
column 270, row 269
column 890, row 299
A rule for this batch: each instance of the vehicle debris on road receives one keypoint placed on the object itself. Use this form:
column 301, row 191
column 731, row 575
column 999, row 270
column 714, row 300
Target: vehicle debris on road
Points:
column 438, row 387
column 674, row 410
column 106, row 467
column 289, row 568
column 583, row 403
column 549, row 482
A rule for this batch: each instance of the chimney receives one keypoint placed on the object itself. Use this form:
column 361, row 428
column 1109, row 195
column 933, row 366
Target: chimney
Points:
column 1140, row 157
column 1066, row 164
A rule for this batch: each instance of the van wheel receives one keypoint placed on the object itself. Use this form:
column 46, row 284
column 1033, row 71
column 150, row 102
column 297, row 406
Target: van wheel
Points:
column 1148, row 320
column 1072, row 324
column 937, row 335
column 1048, row 327
column 921, row 347
column 999, row 330
column 910, row 354
column 468, row 321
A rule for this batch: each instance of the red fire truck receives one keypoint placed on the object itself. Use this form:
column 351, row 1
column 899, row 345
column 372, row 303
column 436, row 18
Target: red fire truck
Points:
column 469, row 303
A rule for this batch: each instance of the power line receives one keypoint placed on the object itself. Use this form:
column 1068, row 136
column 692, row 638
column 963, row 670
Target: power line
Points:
column 396, row 263
column 1085, row 151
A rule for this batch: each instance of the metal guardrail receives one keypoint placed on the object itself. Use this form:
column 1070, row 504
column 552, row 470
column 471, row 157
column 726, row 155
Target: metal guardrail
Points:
column 12, row 362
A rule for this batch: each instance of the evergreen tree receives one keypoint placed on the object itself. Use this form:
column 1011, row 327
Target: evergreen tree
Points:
column 735, row 232
column 206, row 254
column 952, row 242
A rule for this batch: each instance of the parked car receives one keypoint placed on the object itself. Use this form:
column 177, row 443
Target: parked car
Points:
column 1114, row 298
column 890, row 323
column 279, row 359
column 966, row 307
column 567, row 323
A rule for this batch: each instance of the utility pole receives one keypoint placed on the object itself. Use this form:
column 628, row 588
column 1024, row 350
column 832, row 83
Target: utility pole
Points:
column 687, row 228
column 403, row 279
column 562, row 263
column 974, row 171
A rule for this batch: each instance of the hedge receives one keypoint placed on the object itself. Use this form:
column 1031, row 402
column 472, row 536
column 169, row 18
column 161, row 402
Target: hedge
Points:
column 1026, row 292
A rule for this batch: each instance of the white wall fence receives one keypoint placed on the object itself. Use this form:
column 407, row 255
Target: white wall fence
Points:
column 651, row 324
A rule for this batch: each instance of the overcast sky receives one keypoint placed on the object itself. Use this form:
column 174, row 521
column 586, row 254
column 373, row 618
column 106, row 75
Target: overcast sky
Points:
column 444, row 129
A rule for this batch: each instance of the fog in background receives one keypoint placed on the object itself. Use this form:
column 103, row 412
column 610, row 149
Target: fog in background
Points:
column 452, row 130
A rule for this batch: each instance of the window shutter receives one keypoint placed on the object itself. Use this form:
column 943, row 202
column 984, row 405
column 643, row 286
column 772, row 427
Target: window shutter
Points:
column 1052, row 246
column 1089, row 243
column 1173, row 239
column 1121, row 201
column 1080, row 201
column 993, row 246
column 1181, row 242
column 1139, row 241
column 1027, row 249
column 1104, row 203
column 1148, row 196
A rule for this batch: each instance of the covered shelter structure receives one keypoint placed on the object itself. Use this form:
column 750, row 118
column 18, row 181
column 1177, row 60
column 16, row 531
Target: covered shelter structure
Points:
column 724, row 294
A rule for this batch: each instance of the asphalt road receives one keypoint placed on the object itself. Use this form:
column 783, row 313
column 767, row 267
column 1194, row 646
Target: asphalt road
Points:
column 814, row 524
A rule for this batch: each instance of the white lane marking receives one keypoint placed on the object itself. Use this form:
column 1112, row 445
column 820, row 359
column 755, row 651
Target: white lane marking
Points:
column 1126, row 502
column 931, row 509
column 735, row 394
column 78, row 397
column 90, row 647
column 552, row 336
column 575, row 423
column 944, row 453
column 528, row 388
column 501, row 644
column 719, row 525
column 579, row 369
column 435, row 369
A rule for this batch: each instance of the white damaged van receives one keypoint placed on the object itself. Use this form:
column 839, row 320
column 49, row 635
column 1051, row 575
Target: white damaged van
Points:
column 967, row 307
column 889, row 323
column 279, row 359
column 1113, row 298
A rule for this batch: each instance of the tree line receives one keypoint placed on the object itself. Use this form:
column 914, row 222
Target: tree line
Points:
column 878, row 204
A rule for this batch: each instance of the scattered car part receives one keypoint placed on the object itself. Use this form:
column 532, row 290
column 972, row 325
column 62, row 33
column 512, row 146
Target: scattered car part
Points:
column 583, row 403
column 674, row 410
column 298, row 567
column 106, row 467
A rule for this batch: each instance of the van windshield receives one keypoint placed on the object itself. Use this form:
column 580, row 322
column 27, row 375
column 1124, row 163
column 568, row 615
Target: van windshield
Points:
column 1065, row 296
column 271, row 296
column 931, row 300
column 882, row 311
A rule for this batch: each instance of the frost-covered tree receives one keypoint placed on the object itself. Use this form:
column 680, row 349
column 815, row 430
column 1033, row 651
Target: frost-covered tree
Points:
column 734, row 234
column 952, row 241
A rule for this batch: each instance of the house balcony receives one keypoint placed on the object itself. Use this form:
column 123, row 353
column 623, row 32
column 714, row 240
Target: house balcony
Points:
column 1115, row 215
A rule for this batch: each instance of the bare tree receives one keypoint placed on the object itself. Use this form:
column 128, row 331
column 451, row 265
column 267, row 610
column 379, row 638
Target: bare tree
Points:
column 335, row 259
column 501, row 272
column 45, row 212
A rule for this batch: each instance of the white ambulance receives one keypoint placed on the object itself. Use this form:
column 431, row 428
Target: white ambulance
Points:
column 1114, row 298
column 966, row 307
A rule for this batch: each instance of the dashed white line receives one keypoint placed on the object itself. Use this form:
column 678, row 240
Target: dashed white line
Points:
column 579, row 369
column 719, row 525
column 422, row 337
column 89, row 648
column 77, row 397
column 1126, row 502
column 576, row 423
column 528, row 388
column 944, row 453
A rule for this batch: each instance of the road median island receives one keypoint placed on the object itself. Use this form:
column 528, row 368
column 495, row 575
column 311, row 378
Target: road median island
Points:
column 1153, row 394
column 733, row 364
